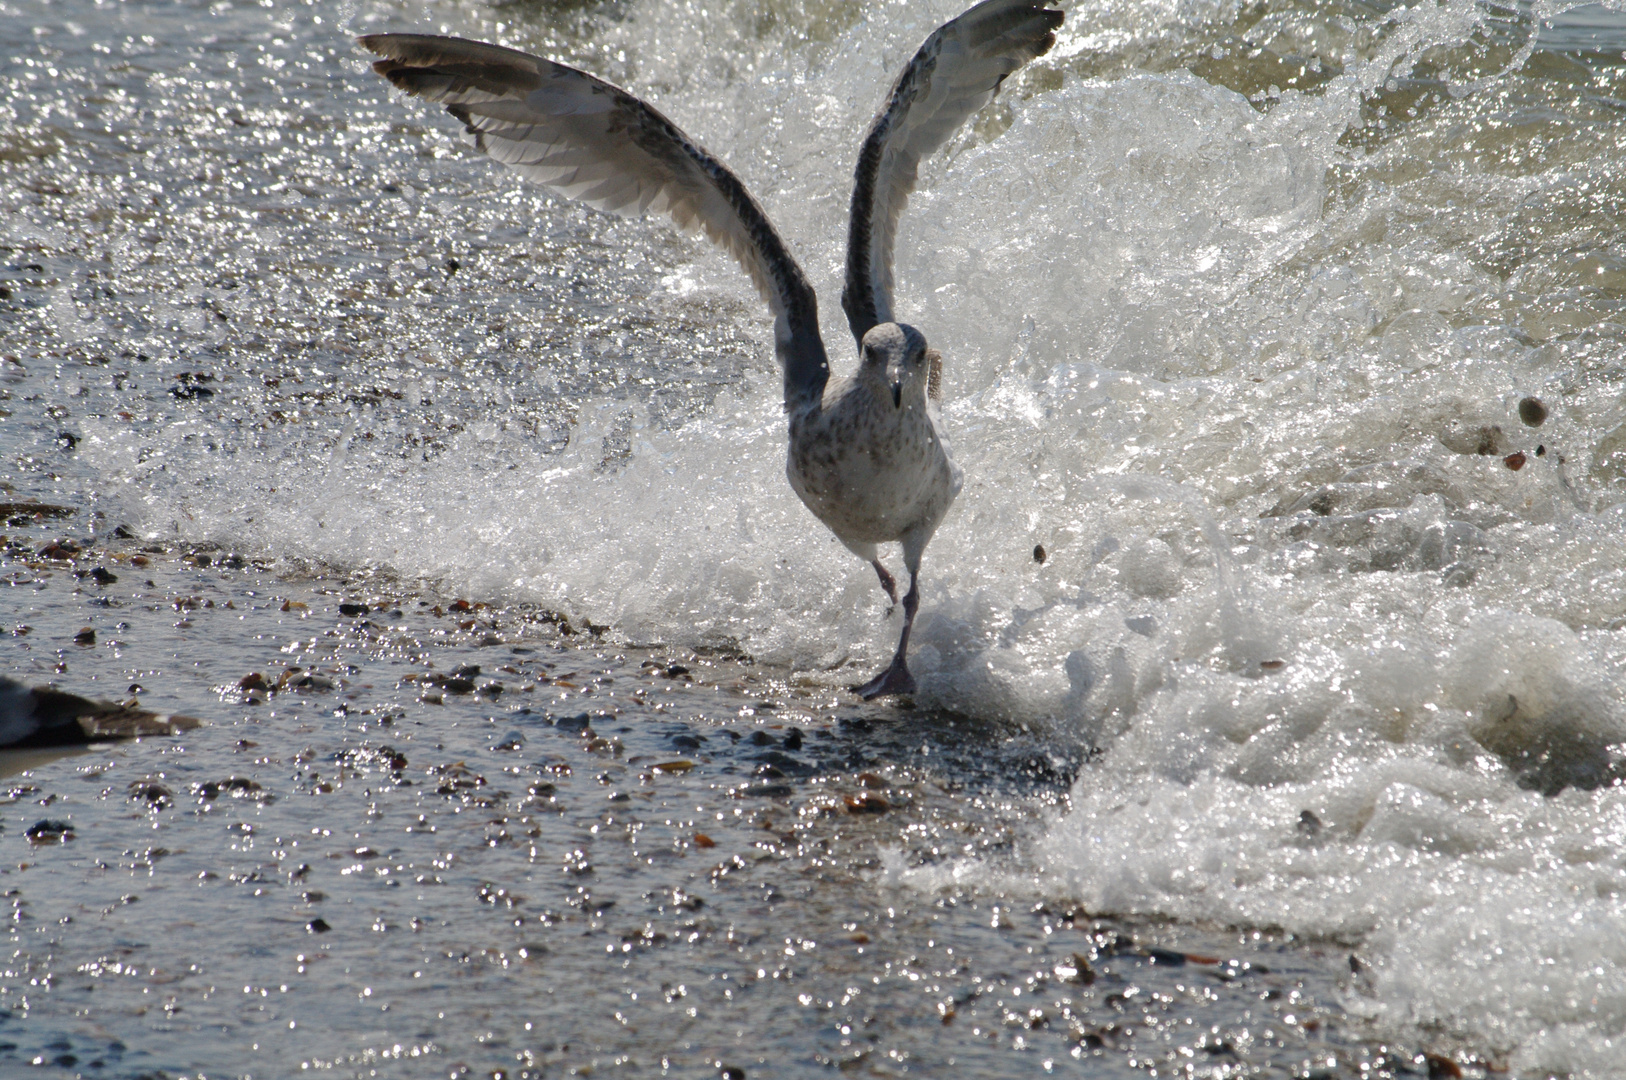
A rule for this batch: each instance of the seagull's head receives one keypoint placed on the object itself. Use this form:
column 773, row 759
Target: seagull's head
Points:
column 895, row 356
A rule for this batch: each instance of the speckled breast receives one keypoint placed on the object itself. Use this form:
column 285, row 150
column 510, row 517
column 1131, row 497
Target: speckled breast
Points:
column 870, row 476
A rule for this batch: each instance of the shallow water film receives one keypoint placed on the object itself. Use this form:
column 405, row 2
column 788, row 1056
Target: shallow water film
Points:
column 1271, row 716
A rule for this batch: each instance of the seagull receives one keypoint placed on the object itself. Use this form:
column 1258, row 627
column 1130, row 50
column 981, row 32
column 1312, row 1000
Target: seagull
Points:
column 868, row 455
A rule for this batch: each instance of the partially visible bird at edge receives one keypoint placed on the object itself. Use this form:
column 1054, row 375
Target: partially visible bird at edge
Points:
column 867, row 454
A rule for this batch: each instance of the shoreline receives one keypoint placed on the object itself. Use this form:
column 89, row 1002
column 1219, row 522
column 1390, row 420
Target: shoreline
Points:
column 604, row 814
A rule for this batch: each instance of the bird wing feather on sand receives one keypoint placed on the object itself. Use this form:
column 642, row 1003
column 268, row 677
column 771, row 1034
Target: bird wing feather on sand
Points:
column 45, row 716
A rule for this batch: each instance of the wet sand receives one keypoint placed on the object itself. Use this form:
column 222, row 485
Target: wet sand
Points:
column 589, row 856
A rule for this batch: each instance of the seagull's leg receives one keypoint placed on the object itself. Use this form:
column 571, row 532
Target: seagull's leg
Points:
column 887, row 583
column 896, row 678
column 870, row 554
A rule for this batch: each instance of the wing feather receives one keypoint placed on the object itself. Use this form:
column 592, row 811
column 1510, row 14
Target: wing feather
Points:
column 590, row 141
column 956, row 72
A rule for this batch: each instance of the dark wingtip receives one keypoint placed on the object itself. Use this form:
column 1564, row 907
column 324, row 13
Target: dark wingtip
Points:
column 1052, row 22
column 1023, row 29
column 493, row 69
column 389, row 46
column 412, row 49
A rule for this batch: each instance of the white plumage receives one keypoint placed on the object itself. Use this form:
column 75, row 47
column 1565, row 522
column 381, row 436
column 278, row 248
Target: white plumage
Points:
column 867, row 454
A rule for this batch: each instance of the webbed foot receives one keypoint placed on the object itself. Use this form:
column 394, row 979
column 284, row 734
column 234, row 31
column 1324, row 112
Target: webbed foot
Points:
column 894, row 680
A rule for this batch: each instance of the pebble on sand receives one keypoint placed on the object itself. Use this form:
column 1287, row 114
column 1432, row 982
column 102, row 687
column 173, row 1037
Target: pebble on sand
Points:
column 49, row 832
column 867, row 803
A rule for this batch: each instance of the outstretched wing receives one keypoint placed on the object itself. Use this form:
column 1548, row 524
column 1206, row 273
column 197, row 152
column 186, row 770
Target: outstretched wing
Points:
column 956, row 72
column 587, row 140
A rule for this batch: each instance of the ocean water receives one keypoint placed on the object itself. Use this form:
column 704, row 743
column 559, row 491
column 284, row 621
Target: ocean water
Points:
column 1292, row 334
